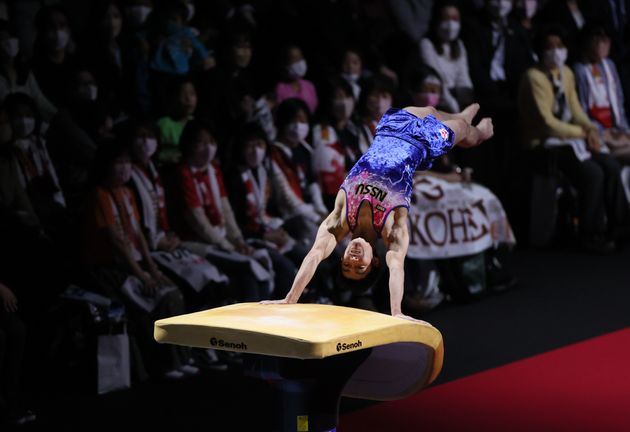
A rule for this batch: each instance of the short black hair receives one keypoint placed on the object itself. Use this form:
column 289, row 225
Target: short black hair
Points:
column 359, row 286
column 288, row 109
column 549, row 30
column 190, row 133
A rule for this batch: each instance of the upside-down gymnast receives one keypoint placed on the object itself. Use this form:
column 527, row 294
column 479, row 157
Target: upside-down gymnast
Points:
column 406, row 140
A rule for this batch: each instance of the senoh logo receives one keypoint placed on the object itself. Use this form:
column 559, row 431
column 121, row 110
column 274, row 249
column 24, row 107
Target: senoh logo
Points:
column 220, row 343
column 342, row 346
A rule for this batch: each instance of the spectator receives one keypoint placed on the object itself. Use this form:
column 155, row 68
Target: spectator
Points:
column 571, row 16
column 298, row 197
column 376, row 98
column 120, row 265
column 208, row 222
column 424, row 87
column 73, row 134
column 37, row 172
column 53, row 61
column 182, row 105
column 444, row 51
column 352, row 70
column 177, row 50
column 293, row 84
column 552, row 118
column 15, row 75
column 601, row 93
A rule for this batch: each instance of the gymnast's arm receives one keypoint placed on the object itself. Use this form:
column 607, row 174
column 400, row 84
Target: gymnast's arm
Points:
column 397, row 245
column 325, row 242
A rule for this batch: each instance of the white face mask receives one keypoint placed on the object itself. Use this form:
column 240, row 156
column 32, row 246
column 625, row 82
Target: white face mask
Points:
column 298, row 69
column 191, row 11
column 530, row 8
column 384, row 104
column 150, row 146
column 138, row 14
column 212, row 152
column 298, row 131
column 449, row 30
column 11, row 47
column 62, row 39
column 23, row 127
column 501, row 8
column 556, row 57
column 22, row 144
column 352, row 77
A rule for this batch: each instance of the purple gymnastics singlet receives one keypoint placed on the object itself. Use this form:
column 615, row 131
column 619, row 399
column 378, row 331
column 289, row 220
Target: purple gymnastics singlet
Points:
column 383, row 176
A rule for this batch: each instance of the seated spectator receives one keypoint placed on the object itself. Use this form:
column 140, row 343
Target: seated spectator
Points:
column 37, row 172
column 72, row 136
column 571, row 16
column 424, row 87
column 182, row 104
column 177, row 50
column 352, row 70
column 16, row 76
column 601, row 93
column 191, row 271
column 445, row 52
column 209, row 227
column 336, row 138
column 376, row 98
column 53, row 59
column 120, row 266
column 552, row 118
column 293, row 85
column 298, row 198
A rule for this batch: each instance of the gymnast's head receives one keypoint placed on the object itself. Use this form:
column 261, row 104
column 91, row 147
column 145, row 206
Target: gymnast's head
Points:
column 358, row 260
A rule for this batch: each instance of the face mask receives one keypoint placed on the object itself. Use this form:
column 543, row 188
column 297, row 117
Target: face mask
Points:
column 191, row 11
column 138, row 14
column 24, row 126
column 122, row 172
column 449, row 30
column 501, row 8
column 298, row 131
column 428, row 99
column 62, row 39
column 351, row 77
column 603, row 50
column 256, row 158
column 11, row 47
column 88, row 92
column 212, row 152
column 530, row 8
column 22, row 144
column 298, row 69
column 383, row 105
column 556, row 56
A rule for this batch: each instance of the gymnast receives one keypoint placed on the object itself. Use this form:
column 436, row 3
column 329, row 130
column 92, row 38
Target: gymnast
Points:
column 406, row 140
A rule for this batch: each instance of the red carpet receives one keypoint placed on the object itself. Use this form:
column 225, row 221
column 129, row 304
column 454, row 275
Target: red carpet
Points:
column 581, row 387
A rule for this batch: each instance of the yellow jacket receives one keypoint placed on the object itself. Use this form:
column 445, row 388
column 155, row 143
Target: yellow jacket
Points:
column 536, row 102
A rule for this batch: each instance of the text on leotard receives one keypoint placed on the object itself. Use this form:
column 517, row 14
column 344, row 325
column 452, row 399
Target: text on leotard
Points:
column 368, row 189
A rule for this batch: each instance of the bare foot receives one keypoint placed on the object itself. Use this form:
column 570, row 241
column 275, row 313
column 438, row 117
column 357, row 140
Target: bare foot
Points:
column 485, row 128
column 469, row 113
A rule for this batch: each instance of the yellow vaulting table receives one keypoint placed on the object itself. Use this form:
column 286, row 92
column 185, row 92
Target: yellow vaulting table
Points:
column 314, row 353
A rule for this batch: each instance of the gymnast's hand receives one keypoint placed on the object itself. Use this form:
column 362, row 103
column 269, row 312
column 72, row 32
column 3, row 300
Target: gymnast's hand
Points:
column 281, row 301
column 403, row 316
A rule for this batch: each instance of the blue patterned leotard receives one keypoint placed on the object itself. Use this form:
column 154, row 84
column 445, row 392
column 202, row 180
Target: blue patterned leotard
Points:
column 383, row 176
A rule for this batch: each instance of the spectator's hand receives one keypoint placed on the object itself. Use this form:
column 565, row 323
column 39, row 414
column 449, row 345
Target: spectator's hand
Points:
column 403, row 316
column 244, row 248
column 592, row 141
column 149, row 285
column 8, row 299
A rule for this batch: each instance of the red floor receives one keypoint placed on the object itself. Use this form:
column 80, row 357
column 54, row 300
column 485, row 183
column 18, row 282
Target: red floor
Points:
column 581, row 387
